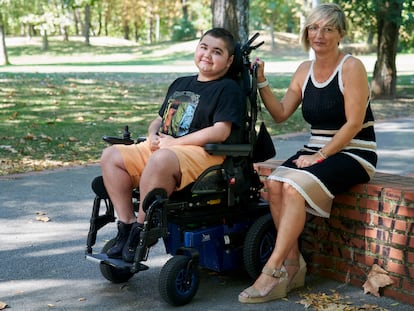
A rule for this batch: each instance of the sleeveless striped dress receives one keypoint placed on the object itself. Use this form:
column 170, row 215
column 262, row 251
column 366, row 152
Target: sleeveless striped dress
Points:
column 323, row 108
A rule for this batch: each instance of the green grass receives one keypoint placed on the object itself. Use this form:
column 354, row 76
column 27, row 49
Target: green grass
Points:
column 56, row 119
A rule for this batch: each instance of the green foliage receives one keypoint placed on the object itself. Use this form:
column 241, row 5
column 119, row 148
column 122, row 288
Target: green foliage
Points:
column 183, row 30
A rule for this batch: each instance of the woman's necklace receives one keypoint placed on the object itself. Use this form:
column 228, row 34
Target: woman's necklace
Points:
column 323, row 74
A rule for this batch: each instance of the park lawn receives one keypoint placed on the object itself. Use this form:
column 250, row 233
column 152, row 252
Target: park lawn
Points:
column 58, row 119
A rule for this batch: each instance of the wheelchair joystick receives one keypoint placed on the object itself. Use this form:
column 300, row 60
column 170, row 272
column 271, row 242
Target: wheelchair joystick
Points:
column 125, row 140
column 126, row 135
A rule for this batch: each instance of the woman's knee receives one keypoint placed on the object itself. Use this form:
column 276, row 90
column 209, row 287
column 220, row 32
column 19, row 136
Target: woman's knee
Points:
column 277, row 189
column 274, row 188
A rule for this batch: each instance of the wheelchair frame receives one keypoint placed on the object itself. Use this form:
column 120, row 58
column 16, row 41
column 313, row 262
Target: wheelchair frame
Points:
column 219, row 222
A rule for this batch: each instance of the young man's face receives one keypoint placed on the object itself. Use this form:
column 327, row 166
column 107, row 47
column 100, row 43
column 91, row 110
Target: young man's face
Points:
column 212, row 58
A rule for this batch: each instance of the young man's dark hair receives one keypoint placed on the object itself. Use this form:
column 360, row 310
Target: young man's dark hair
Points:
column 224, row 35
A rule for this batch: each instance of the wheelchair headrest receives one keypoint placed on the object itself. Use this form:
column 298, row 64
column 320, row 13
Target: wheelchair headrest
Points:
column 237, row 65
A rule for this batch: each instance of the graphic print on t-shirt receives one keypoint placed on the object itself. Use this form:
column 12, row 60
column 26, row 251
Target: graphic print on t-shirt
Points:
column 179, row 113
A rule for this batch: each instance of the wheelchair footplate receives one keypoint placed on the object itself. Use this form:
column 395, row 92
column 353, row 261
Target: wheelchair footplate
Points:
column 116, row 263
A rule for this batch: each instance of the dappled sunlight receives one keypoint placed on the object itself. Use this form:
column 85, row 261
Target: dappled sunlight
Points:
column 390, row 126
column 57, row 251
column 26, row 231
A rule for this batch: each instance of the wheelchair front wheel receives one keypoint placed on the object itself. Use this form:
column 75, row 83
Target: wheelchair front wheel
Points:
column 179, row 280
column 115, row 275
column 258, row 245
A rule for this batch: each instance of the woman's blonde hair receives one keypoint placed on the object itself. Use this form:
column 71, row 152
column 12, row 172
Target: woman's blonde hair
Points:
column 331, row 13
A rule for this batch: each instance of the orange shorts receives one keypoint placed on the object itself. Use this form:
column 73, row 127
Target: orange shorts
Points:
column 193, row 161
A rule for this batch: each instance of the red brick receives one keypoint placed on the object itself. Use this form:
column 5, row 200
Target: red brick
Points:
column 396, row 254
column 397, row 268
column 405, row 211
column 399, row 239
column 358, row 243
column 365, row 259
column 371, row 204
column 388, row 207
column 377, row 234
column 354, row 270
column 355, row 215
column 392, row 194
column 342, row 252
column 385, row 222
column 374, row 190
column 410, row 258
column 373, row 220
column 409, row 196
column 408, row 285
column 345, row 199
column 341, row 198
column 401, row 225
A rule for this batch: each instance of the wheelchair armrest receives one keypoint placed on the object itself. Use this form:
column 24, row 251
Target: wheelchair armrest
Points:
column 112, row 140
column 117, row 141
column 229, row 150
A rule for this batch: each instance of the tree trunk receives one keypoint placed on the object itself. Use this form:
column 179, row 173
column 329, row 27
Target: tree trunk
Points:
column 87, row 24
column 232, row 15
column 384, row 82
column 45, row 40
column 4, row 59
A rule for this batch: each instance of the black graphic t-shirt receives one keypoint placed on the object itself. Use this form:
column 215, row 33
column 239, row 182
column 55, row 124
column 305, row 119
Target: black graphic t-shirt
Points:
column 191, row 105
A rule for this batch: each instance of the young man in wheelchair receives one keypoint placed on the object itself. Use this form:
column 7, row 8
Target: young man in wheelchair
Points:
column 197, row 110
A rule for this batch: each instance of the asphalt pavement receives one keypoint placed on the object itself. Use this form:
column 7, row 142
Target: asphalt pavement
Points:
column 42, row 265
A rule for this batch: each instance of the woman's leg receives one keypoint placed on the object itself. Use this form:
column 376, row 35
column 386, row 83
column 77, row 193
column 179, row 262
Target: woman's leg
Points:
column 275, row 191
column 288, row 209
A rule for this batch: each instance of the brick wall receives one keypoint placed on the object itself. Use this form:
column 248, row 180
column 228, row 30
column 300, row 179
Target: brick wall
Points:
column 371, row 223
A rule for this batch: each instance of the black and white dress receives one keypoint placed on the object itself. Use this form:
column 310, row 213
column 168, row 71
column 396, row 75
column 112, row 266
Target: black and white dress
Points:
column 323, row 108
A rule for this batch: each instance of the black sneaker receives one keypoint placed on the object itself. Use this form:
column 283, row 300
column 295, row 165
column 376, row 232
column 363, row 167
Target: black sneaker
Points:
column 128, row 252
column 121, row 239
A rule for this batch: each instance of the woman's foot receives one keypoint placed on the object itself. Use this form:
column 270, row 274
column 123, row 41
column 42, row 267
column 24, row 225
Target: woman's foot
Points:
column 297, row 272
column 272, row 283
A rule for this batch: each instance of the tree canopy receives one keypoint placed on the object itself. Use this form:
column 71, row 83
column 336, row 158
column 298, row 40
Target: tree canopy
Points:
column 154, row 20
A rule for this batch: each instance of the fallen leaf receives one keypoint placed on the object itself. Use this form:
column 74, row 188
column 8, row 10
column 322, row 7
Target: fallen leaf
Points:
column 13, row 116
column 43, row 218
column 29, row 136
column 3, row 305
column 72, row 139
column 376, row 278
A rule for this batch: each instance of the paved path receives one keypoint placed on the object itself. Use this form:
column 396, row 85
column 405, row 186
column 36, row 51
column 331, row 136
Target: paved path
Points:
column 404, row 64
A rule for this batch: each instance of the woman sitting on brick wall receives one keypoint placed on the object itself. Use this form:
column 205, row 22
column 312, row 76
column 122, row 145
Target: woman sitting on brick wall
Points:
column 334, row 92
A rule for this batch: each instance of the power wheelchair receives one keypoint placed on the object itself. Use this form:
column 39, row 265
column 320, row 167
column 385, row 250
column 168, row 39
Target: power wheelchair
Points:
column 219, row 222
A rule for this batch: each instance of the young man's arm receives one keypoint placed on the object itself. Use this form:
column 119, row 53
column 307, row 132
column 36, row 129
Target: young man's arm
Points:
column 216, row 133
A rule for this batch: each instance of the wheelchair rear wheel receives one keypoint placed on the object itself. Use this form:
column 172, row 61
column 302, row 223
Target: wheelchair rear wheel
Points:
column 258, row 245
column 115, row 275
column 179, row 280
